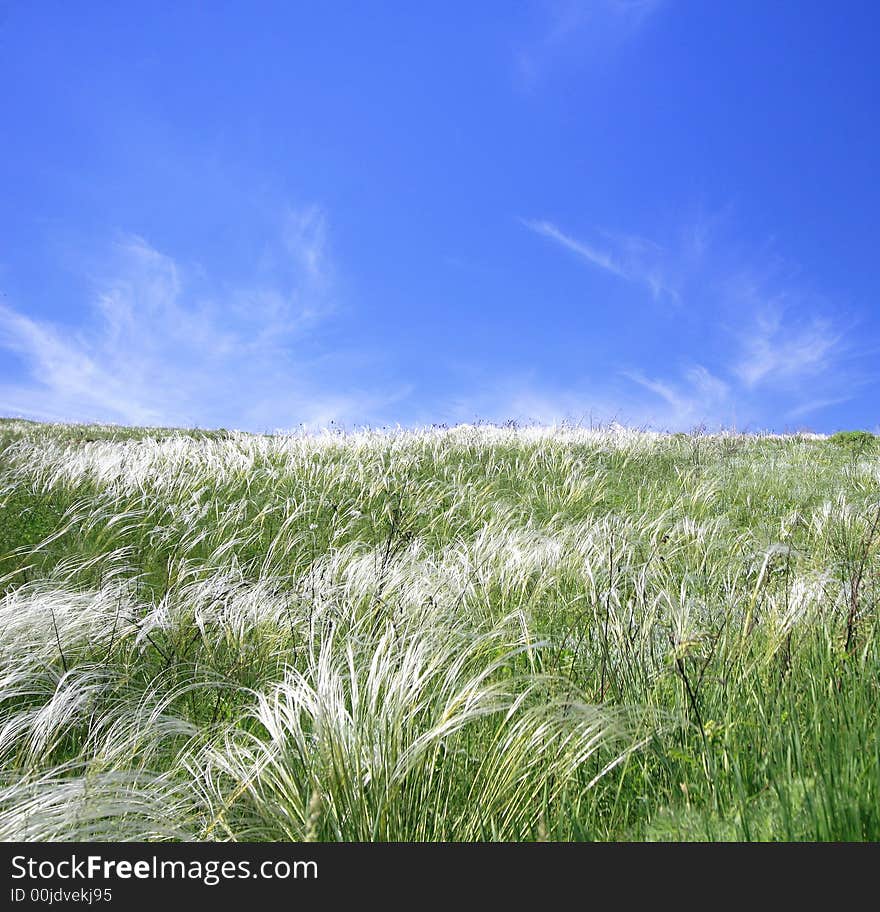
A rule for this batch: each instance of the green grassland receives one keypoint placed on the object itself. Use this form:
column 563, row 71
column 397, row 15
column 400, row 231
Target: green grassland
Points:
column 455, row 634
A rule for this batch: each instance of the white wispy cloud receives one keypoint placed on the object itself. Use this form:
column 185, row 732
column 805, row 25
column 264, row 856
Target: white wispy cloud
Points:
column 778, row 349
column 160, row 344
column 629, row 257
column 815, row 405
column 597, row 26
column 696, row 396
column 600, row 258
column 692, row 397
column 770, row 349
column 305, row 238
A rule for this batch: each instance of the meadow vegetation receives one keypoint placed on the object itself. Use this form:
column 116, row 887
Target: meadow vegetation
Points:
column 470, row 633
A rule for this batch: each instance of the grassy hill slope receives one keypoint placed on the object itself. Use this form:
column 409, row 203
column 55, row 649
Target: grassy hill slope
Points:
column 464, row 634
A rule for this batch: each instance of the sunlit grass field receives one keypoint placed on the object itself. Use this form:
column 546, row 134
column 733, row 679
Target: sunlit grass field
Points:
column 475, row 633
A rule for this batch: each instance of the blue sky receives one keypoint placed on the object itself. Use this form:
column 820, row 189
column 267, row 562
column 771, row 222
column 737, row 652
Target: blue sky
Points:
column 262, row 215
